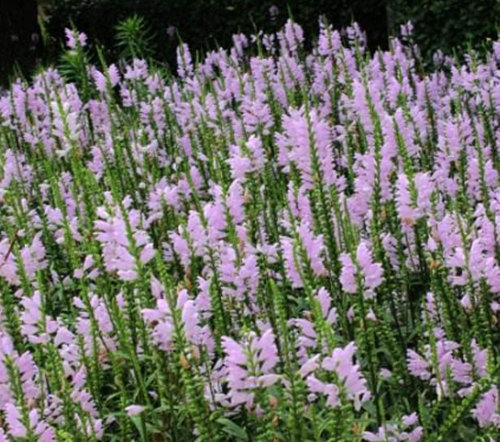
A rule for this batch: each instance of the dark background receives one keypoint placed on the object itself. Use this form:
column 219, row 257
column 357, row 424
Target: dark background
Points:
column 32, row 31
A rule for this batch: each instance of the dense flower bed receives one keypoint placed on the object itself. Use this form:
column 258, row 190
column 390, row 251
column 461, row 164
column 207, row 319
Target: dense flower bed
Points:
column 274, row 245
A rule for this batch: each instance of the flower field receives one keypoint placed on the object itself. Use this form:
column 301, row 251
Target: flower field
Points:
column 280, row 242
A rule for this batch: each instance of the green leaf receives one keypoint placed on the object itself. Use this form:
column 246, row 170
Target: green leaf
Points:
column 232, row 429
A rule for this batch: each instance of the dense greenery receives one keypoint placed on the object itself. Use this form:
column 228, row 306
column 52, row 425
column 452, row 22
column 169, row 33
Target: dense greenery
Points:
column 448, row 24
column 279, row 242
column 439, row 24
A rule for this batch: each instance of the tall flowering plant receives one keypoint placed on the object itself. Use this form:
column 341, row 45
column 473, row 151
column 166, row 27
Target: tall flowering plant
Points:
column 282, row 242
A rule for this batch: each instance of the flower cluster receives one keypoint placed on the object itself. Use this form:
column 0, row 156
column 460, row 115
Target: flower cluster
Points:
column 284, row 241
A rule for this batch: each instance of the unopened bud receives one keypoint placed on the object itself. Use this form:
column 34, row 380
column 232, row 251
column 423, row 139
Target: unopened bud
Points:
column 273, row 401
column 184, row 362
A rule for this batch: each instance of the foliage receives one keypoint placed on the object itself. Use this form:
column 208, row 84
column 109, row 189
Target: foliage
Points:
column 439, row 24
column 280, row 242
column 447, row 25
column 203, row 24
column 134, row 38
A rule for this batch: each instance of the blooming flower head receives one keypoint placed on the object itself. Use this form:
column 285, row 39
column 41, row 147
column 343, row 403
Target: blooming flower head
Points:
column 486, row 410
column 249, row 366
column 342, row 363
column 74, row 38
column 371, row 272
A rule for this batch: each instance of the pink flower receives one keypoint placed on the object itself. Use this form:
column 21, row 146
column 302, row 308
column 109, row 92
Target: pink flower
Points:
column 410, row 419
column 249, row 365
column 348, row 274
column 314, row 248
column 13, row 419
column 134, row 410
column 486, row 410
column 418, row 366
column 371, row 272
column 291, row 261
column 331, row 391
column 325, row 301
column 342, row 362
column 74, row 38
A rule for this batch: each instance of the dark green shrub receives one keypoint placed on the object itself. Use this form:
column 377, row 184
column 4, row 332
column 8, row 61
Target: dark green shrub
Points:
column 205, row 23
column 448, row 24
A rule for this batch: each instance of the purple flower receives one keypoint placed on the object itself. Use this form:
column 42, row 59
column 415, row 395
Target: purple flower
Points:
column 410, row 419
column 134, row 410
column 418, row 366
column 348, row 274
column 160, row 320
column 116, row 248
column 291, row 261
column 13, row 419
column 184, row 61
column 371, row 272
column 249, row 366
column 342, row 363
column 74, row 38
column 331, row 391
column 325, row 301
column 314, row 248
column 486, row 410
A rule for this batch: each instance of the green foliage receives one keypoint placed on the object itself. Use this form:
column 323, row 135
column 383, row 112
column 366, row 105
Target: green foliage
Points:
column 134, row 37
column 448, row 24
column 203, row 24
column 439, row 24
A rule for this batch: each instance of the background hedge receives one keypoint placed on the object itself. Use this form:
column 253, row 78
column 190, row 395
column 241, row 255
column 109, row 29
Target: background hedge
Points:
column 448, row 24
column 204, row 23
